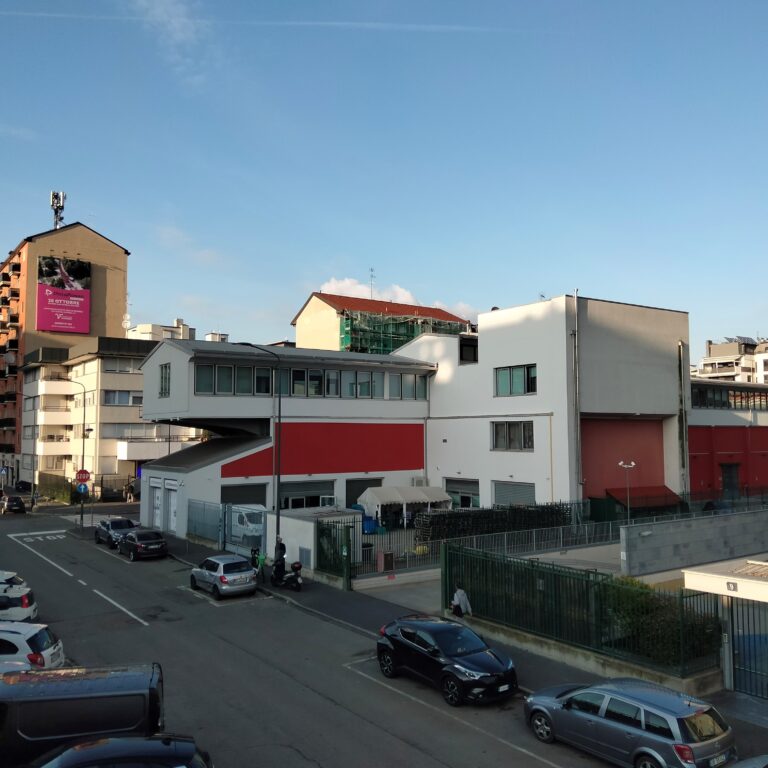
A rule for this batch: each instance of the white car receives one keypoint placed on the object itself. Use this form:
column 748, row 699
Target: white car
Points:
column 11, row 579
column 14, row 666
column 17, row 604
column 33, row 643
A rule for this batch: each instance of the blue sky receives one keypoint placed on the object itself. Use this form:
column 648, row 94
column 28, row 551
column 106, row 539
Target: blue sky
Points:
column 473, row 154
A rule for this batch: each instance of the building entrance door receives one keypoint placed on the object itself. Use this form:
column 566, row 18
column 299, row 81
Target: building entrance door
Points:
column 729, row 474
column 172, row 511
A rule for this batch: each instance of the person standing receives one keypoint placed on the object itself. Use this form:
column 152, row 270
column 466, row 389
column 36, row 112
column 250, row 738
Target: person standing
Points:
column 460, row 603
column 129, row 492
column 278, row 563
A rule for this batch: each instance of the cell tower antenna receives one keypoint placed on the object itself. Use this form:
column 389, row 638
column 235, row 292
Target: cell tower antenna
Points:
column 372, row 278
column 57, row 203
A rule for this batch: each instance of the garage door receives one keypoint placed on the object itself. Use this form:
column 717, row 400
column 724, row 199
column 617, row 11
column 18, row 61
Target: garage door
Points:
column 463, row 493
column 247, row 493
column 505, row 494
column 356, row 488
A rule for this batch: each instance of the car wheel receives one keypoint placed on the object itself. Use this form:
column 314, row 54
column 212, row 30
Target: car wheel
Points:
column 193, row 583
column 215, row 592
column 132, row 556
column 111, row 543
column 387, row 664
column 542, row 727
column 96, row 537
column 452, row 692
column 646, row 761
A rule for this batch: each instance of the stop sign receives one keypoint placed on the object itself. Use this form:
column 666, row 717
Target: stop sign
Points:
column 83, row 476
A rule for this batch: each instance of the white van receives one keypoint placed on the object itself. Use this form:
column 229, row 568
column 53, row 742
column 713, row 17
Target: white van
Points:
column 247, row 525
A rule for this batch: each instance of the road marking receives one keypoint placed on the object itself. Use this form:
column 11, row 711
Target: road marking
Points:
column 82, row 582
column 116, row 555
column 200, row 594
column 15, row 537
column 441, row 711
column 124, row 610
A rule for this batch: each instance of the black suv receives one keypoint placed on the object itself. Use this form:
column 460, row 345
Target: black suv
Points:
column 447, row 654
column 161, row 750
column 111, row 531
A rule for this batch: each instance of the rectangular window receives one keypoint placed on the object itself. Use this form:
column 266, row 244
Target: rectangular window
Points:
column 363, row 384
column 409, row 386
column 262, row 383
column 377, row 384
column 243, row 380
column 165, row 380
column 331, row 383
column 512, row 436
column 122, row 397
column 203, row 379
column 395, row 386
column 225, row 379
column 515, row 380
column 315, row 383
column 421, row 387
column 282, row 381
column 298, row 383
column 348, row 383
column 121, row 364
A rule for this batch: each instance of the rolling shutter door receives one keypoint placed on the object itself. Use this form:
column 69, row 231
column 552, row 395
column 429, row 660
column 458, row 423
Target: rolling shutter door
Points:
column 253, row 493
column 356, row 488
column 505, row 494
column 308, row 488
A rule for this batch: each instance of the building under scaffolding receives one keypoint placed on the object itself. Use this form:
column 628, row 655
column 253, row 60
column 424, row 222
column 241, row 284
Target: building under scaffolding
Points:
column 381, row 334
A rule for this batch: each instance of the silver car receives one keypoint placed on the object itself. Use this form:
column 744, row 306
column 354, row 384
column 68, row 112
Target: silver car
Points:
column 633, row 723
column 224, row 575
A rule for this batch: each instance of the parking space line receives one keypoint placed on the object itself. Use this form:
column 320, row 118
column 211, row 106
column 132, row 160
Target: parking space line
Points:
column 531, row 755
column 80, row 581
column 113, row 554
column 15, row 537
column 124, row 610
column 201, row 595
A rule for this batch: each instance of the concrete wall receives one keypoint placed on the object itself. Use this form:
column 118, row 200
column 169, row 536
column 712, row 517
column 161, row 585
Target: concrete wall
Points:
column 318, row 326
column 682, row 543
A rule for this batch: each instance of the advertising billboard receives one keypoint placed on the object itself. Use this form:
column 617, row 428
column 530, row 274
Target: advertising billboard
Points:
column 63, row 295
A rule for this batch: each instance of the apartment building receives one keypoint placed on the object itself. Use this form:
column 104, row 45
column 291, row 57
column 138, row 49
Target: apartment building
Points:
column 738, row 358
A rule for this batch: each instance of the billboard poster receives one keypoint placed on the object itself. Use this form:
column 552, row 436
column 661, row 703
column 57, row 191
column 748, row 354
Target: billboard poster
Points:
column 63, row 295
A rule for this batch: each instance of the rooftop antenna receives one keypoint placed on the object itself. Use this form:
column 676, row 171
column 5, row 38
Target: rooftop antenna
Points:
column 372, row 278
column 57, row 203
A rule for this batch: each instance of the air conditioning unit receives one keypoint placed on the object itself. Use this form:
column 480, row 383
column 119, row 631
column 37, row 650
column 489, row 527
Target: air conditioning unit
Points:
column 327, row 501
column 418, row 482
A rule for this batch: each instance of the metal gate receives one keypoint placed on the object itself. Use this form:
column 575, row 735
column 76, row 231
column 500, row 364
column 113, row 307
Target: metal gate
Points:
column 330, row 546
column 749, row 622
column 244, row 528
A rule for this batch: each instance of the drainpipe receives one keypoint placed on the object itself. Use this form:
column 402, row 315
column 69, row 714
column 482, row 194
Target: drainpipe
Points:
column 683, row 416
column 577, row 398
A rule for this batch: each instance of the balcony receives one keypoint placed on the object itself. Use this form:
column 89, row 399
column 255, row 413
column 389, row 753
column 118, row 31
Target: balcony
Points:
column 13, row 318
column 16, row 268
column 5, row 278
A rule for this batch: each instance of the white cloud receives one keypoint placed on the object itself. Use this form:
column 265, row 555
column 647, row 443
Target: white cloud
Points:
column 349, row 286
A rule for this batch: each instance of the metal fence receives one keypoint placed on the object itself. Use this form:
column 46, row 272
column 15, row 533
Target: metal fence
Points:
column 235, row 528
column 205, row 520
column 380, row 550
column 677, row 632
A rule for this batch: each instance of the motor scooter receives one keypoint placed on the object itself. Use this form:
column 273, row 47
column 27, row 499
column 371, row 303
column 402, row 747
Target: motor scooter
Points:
column 279, row 577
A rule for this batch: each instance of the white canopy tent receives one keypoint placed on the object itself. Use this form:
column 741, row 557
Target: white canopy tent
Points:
column 373, row 499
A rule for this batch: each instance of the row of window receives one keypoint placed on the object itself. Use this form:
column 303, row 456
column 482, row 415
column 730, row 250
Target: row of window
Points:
column 621, row 712
column 299, row 382
column 512, row 435
column 515, row 380
column 705, row 396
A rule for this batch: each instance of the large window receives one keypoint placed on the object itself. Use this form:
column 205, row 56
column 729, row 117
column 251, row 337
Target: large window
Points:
column 203, row 379
column 515, row 380
column 128, row 431
column 243, row 380
column 225, row 379
column 298, row 382
column 395, row 386
column 263, row 377
column 121, row 364
column 729, row 398
column 332, row 384
column 122, row 397
column 348, row 383
column 512, row 435
column 363, row 383
column 377, row 384
column 315, row 383
column 165, row 380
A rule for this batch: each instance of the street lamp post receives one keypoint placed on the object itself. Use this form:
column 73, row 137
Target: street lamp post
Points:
column 278, row 436
column 626, row 466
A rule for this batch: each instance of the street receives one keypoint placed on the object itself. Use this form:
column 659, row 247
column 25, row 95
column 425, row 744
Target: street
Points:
column 256, row 679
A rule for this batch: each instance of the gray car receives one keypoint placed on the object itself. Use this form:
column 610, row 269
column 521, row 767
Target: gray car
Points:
column 224, row 575
column 633, row 723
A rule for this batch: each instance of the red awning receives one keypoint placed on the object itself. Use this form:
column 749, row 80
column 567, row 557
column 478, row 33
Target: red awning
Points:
column 644, row 496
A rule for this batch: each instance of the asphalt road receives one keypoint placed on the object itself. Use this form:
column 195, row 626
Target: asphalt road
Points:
column 257, row 681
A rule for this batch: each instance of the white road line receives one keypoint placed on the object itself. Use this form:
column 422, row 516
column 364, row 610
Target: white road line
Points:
column 82, row 582
column 15, row 536
column 124, row 610
column 123, row 560
column 441, row 711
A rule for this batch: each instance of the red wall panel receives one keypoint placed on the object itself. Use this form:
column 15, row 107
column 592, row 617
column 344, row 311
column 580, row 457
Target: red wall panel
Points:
column 606, row 442
column 709, row 447
column 327, row 448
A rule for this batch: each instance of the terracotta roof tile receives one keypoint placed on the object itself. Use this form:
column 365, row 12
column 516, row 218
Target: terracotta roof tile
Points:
column 356, row 304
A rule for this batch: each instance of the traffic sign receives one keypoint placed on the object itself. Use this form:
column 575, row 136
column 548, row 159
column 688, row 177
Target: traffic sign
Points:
column 82, row 488
column 3, row 471
column 83, row 476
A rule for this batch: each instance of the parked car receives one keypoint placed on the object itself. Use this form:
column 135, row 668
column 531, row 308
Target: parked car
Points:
column 140, row 543
column 11, row 579
column 24, row 486
column 447, row 654
column 14, row 666
column 47, row 709
column 112, row 530
column 224, row 575
column 155, row 751
column 632, row 722
column 17, row 603
column 12, row 504
column 35, row 643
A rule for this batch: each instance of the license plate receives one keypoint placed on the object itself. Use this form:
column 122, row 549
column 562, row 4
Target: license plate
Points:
column 719, row 760
column 503, row 687
column 154, row 546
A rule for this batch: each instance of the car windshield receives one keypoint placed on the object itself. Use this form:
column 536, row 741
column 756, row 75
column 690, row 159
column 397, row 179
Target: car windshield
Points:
column 14, row 581
column 459, row 641
column 252, row 517
column 122, row 524
column 237, row 567
column 149, row 536
column 702, row 725
column 42, row 641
